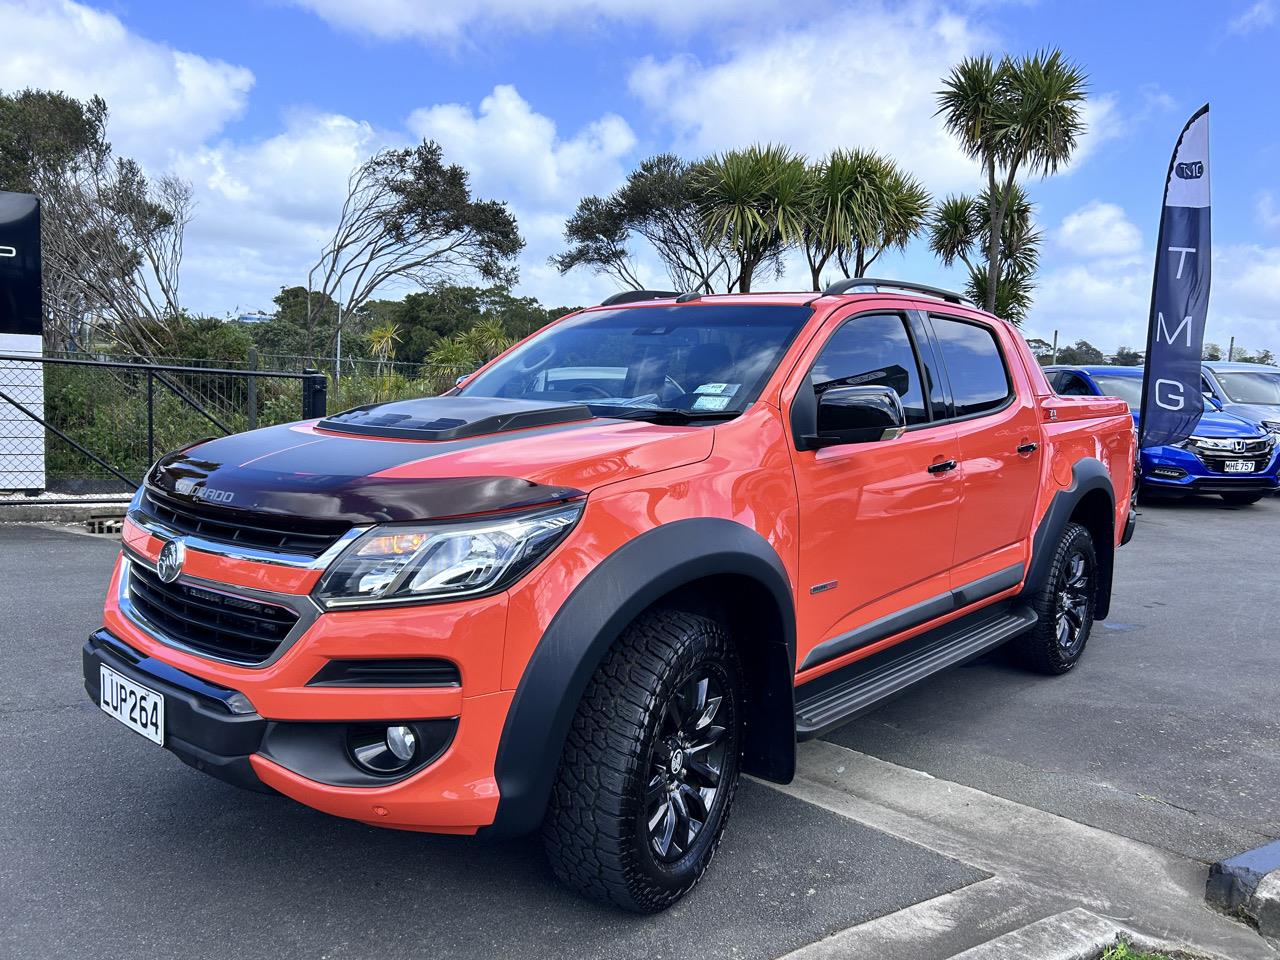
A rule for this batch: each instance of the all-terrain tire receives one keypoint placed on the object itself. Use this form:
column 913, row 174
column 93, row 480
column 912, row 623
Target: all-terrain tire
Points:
column 598, row 831
column 1069, row 596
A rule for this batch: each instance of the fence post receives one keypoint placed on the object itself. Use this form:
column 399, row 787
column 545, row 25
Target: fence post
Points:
column 151, row 419
column 253, row 389
column 315, row 390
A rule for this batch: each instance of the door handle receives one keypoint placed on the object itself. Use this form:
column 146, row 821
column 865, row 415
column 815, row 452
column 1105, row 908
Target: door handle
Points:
column 942, row 467
column 1028, row 448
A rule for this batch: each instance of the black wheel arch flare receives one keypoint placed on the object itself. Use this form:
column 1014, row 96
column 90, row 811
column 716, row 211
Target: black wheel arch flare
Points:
column 655, row 565
column 1088, row 500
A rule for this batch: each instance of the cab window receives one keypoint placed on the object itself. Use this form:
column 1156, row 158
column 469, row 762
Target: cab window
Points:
column 979, row 381
column 872, row 351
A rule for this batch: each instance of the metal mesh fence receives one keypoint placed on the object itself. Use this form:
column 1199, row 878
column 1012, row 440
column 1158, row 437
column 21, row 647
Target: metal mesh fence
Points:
column 104, row 424
column 127, row 415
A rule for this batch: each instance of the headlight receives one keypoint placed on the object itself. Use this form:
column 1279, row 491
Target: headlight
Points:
column 1210, row 443
column 442, row 561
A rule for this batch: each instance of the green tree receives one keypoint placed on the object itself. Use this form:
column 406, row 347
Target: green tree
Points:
column 1012, row 116
column 861, row 203
column 1127, row 357
column 1080, row 353
column 658, row 205
column 958, row 229
column 44, row 133
column 1042, row 350
column 1212, row 352
column 410, row 217
column 757, row 201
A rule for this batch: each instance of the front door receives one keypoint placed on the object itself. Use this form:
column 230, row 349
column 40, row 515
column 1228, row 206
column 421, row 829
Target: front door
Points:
column 877, row 520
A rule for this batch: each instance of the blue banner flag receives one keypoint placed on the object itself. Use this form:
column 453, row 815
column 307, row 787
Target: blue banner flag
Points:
column 1171, row 399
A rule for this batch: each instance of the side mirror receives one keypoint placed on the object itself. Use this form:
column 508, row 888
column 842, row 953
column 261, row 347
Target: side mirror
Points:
column 1211, row 400
column 857, row 415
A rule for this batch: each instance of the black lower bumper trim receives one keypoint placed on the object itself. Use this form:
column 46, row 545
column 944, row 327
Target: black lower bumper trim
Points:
column 1129, row 526
column 199, row 728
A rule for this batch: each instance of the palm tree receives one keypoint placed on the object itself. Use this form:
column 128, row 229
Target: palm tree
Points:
column 862, row 204
column 1013, row 116
column 453, row 353
column 757, row 201
column 382, row 340
column 958, row 230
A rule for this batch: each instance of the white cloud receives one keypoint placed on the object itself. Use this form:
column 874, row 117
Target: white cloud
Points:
column 863, row 78
column 160, row 98
column 265, row 208
column 447, row 19
column 1102, row 122
column 512, row 150
column 1255, row 17
column 1268, row 210
column 1098, row 230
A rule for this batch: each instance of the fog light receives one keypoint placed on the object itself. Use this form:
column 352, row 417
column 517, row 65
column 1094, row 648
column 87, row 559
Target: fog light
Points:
column 401, row 742
column 382, row 749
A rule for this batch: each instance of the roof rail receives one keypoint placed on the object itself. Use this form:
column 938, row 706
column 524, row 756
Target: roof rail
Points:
column 874, row 284
column 635, row 296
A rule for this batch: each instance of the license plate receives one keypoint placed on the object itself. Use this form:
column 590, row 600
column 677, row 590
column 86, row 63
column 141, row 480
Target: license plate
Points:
column 1239, row 466
column 139, row 708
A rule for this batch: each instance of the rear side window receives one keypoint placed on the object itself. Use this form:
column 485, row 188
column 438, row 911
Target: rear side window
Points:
column 979, row 380
column 872, row 351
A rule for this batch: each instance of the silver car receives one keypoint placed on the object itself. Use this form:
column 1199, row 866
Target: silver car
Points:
column 1249, row 390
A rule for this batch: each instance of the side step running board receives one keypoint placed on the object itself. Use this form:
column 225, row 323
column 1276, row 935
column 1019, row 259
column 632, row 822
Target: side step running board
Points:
column 840, row 696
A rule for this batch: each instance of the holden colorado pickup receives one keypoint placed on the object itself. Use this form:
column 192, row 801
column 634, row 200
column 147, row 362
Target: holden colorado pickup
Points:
column 643, row 552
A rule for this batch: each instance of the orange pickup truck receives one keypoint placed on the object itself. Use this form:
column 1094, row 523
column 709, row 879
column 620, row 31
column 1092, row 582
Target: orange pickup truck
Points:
column 642, row 552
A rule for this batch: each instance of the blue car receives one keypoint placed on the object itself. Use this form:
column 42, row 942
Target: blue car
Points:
column 1227, row 455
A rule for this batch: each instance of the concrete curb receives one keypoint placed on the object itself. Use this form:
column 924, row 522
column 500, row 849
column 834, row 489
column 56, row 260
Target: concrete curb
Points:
column 1249, row 883
column 1074, row 935
column 1264, row 905
column 36, row 510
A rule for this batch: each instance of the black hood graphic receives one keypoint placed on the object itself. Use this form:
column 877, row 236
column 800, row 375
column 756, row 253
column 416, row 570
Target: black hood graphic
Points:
column 329, row 482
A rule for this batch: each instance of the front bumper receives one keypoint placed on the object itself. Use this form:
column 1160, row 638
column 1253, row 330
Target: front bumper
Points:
column 1175, row 470
column 295, row 741
column 200, row 726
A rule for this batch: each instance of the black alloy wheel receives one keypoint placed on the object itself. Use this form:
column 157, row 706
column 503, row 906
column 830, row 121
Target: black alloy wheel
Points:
column 685, row 767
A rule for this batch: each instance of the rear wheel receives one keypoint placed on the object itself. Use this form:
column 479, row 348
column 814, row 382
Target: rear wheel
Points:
column 1064, row 606
column 650, row 766
column 1241, row 499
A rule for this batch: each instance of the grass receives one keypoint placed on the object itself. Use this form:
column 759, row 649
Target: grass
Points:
column 1122, row 951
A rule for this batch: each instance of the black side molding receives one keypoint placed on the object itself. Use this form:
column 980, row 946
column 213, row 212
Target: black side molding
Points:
column 914, row 616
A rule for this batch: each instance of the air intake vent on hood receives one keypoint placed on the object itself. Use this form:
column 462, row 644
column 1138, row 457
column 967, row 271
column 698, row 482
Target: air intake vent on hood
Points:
column 451, row 418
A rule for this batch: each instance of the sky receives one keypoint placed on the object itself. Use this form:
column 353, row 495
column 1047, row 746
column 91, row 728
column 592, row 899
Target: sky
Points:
column 265, row 106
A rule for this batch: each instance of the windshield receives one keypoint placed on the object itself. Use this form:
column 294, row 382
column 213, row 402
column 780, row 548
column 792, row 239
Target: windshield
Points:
column 1250, row 387
column 1128, row 389
column 708, row 360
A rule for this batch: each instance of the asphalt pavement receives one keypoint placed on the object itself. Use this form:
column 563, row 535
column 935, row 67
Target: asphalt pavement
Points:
column 111, row 847
column 1168, row 733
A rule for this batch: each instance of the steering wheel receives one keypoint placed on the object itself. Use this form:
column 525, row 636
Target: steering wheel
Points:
column 599, row 391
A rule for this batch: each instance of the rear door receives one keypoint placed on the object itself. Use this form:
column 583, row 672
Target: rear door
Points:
column 877, row 524
column 998, row 438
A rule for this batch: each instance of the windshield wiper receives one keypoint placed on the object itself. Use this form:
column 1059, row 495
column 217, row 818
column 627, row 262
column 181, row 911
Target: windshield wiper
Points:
column 661, row 414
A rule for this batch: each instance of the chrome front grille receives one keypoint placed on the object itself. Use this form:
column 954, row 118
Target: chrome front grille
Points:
column 233, row 627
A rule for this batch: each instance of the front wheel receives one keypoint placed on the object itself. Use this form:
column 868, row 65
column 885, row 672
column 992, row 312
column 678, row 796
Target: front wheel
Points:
column 1064, row 606
column 650, row 765
column 1241, row 499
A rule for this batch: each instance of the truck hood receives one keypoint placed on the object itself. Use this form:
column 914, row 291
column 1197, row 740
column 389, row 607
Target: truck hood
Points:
column 377, row 464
